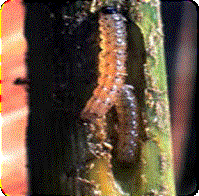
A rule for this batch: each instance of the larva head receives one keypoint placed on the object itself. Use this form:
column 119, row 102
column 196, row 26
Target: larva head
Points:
column 109, row 10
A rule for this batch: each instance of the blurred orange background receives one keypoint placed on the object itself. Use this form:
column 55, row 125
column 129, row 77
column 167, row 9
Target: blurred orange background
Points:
column 14, row 100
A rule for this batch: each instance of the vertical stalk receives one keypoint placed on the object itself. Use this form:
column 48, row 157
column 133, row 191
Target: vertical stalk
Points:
column 154, row 173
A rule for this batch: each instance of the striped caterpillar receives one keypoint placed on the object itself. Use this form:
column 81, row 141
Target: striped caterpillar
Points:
column 112, row 90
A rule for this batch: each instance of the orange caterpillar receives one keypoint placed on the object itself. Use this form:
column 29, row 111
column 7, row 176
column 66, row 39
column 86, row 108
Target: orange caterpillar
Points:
column 111, row 66
column 112, row 90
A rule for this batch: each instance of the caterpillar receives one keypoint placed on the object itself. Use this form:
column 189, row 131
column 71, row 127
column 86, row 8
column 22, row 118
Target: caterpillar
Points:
column 112, row 90
column 111, row 64
column 127, row 111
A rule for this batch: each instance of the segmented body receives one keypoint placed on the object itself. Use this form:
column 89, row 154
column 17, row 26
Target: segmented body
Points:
column 111, row 89
column 127, row 129
column 111, row 66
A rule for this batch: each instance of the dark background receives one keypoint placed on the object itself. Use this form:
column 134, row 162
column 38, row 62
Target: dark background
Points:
column 180, row 30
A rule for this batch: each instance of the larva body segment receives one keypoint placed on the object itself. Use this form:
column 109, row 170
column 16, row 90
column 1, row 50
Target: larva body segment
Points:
column 111, row 65
column 127, row 130
column 112, row 90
